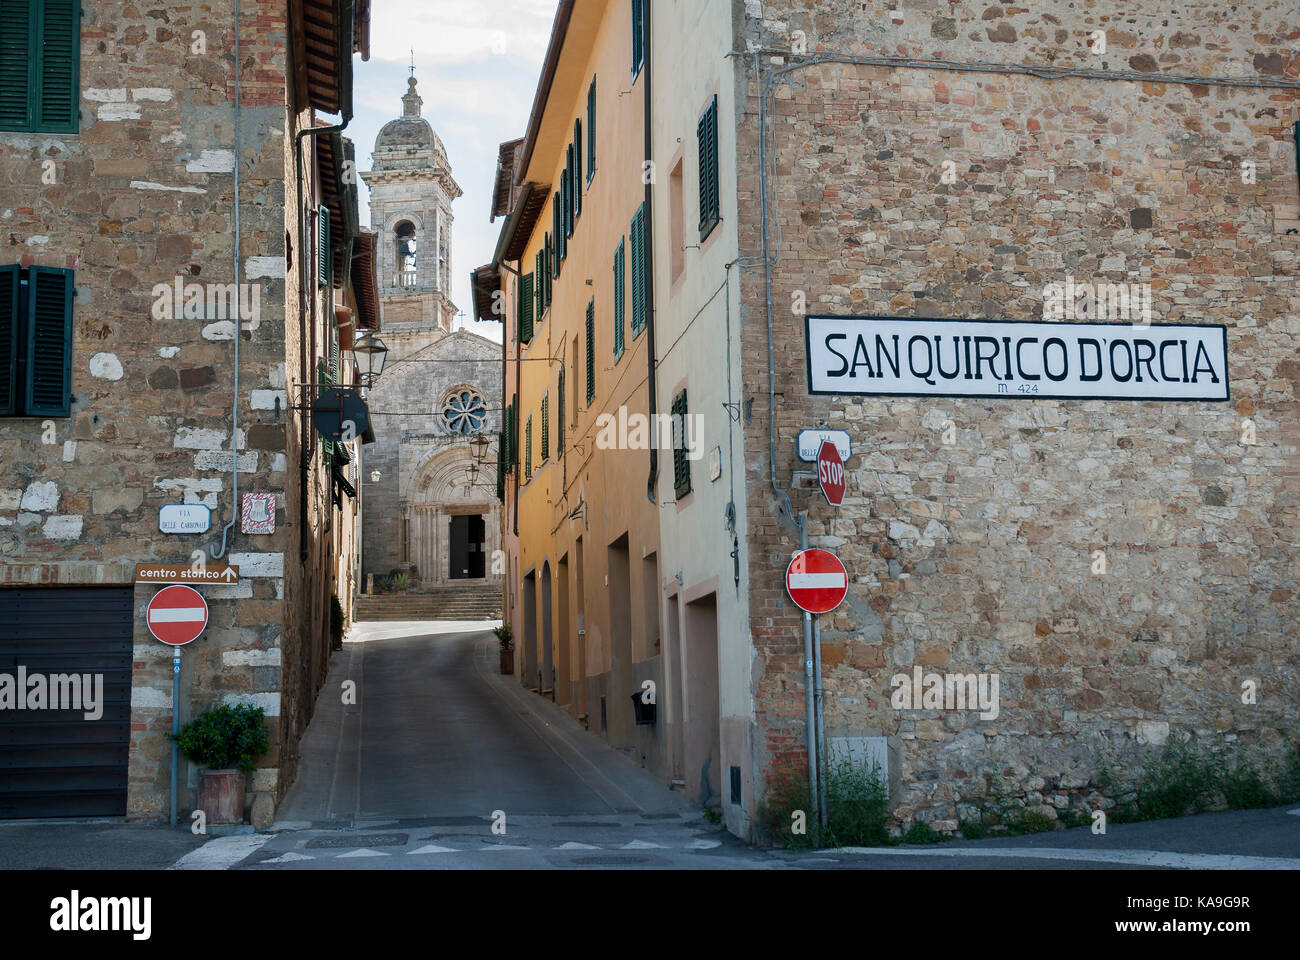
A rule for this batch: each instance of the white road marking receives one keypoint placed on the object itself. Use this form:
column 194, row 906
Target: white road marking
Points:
column 221, row 853
column 643, row 845
column 431, row 848
column 362, row 853
column 288, row 858
column 1142, row 858
column 574, row 845
column 703, row 844
column 503, row 846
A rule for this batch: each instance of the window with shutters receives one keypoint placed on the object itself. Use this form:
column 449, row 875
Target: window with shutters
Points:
column 539, row 283
column 638, row 35
column 526, row 308
column 569, row 185
column 325, row 380
column 506, row 452
column 528, row 449
column 577, row 168
column 640, row 271
column 561, row 242
column 40, row 44
column 620, row 298
column 681, row 462
column 546, row 425
column 591, row 351
column 324, row 259
column 36, row 341
column 559, row 414
column 501, row 466
column 707, row 133
column 591, row 131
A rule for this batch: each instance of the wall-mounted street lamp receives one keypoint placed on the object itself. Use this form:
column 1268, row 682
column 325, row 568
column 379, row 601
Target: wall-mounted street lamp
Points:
column 369, row 354
column 480, row 445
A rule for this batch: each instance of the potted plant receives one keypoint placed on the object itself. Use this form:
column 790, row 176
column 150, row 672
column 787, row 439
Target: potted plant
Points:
column 384, row 586
column 507, row 648
column 336, row 623
column 226, row 742
column 400, row 582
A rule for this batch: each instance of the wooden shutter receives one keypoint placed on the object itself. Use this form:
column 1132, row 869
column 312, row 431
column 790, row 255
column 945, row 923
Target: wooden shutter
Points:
column 568, row 192
column 10, row 323
column 620, row 297
column 17, row 65
column 501, row 466
column 707, row 133
column 48, row 343
column 57, row 59
column 638, row 271
column 546, row 426
column 681, row 463
column 559, row 415
column 528, row 448
column 577, row 167
column 324, row 262
column 325, row 380
column 638, row 34
column 591, row 351
column 591, row 130
column 539, row 286
column 526, row 308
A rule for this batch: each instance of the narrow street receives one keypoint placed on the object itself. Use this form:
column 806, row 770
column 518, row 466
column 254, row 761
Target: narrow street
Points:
column 413, row 773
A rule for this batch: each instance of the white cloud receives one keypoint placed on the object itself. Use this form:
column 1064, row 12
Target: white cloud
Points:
column 452, row 31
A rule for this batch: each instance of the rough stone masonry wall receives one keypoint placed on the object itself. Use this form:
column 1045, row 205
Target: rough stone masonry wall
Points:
column 976, row 556
column 141, row 195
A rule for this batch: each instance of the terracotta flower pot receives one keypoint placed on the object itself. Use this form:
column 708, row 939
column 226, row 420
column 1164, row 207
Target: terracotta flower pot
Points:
column 221, row 795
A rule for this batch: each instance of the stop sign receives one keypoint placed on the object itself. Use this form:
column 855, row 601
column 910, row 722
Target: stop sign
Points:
column 177, row 615
column 830, row 473
column 817, row 580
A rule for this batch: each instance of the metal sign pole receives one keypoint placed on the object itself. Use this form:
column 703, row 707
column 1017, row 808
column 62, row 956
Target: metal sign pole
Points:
column 176, row 720
column 821, row 722
column 809, row 705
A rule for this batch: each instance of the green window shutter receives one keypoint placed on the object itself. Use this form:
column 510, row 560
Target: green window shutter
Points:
column 57, row 65
column 546, row 426
column 638, row 271
column 526, row 308
column 707, row 133
column 18, row 46
column 559, row 415
column 40, row 49
column 324, row 262
column 568, row 192
column 681, row 462
column 620, row 297
column 550, row 267
column 512, row 438
column 325, row 380
column 638, row 34
column 591, row 351
column 10, row 324
column 501, row 466
column 557, row 224
column 539, row 287
column 48, row 343
column 591, row 130
column 577, row 167
column 528, row 448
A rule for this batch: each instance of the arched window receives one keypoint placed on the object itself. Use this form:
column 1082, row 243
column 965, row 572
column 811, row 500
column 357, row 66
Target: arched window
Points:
column 464, row 411
column 404, row 239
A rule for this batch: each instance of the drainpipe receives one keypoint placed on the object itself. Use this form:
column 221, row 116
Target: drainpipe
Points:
column 219, row 550
column 649, row 248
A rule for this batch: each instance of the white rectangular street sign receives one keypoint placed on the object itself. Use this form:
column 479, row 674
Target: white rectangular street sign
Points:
column 184, row 518
column 898, row 356
column 810, row 441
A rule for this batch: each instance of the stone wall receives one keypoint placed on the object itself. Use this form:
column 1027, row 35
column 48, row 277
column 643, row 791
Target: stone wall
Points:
column 141, row 198
column 970, row 526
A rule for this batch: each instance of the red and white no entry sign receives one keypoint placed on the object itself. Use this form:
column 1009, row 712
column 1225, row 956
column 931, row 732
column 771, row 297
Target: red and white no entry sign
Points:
column 830, row 473
column 817, row 580
column 177, row 615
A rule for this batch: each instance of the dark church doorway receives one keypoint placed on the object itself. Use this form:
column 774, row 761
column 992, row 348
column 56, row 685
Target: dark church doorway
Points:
column 468, row 548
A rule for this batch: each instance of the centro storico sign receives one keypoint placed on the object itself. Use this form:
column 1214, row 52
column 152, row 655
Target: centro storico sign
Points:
column 893, row 356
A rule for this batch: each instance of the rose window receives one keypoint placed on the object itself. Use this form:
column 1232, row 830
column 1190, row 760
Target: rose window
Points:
column 464, row 412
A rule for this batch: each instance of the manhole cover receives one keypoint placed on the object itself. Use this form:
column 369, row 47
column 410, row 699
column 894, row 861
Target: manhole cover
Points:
column 361, row 840
column 611, row 860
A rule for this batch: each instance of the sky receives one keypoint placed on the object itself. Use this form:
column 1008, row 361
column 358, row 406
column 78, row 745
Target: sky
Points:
column 477, row 65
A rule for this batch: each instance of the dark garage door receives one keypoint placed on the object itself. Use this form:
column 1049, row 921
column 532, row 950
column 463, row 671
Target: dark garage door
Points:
column 56, row 763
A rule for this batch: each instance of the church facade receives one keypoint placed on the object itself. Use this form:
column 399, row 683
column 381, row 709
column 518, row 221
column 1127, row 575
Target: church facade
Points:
column 430, row 480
